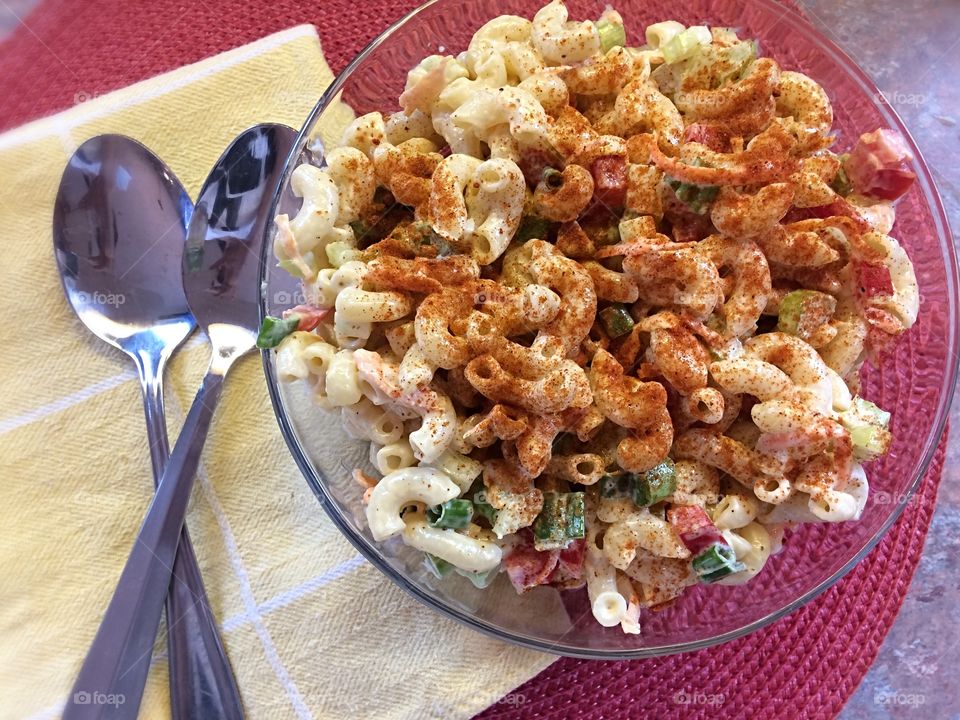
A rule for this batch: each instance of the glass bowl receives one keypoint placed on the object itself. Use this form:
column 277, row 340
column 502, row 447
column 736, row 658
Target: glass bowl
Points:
column 916, row 384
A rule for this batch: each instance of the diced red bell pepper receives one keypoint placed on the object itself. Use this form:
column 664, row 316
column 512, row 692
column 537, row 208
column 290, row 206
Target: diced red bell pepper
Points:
column 686, row 225
column 571, row 557
column 528, row 567
column 877, row 165
column 695, row 528
column 609, row 180
column 310, row 316
column 569, row 570
column 713, row 136
column 874, row 280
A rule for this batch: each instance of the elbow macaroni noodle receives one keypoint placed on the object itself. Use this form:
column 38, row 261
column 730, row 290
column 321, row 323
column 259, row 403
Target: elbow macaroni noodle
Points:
column 563, row 263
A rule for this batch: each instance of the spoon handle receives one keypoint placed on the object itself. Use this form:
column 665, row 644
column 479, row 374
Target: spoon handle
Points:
column 202, row 684
column 111, row 680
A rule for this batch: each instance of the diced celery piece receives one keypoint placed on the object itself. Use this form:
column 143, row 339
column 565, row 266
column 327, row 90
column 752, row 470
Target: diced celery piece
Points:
column 868, row 426
column 870, row 441
column 803, row 311
column 612, row 34
column 864, row 412
column 686, row 44
column 714, row 65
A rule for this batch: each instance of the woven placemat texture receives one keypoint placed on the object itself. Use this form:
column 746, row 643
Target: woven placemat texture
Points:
column 806, row 665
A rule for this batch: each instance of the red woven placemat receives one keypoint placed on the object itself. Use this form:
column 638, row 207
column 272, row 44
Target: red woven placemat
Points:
column 806, row 665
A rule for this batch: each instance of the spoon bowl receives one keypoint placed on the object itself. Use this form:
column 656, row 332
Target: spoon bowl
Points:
column 118, row 214
column 221, row 262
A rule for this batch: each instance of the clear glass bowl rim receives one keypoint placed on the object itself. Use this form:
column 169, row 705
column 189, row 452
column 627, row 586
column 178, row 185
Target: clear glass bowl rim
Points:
column 369, row 551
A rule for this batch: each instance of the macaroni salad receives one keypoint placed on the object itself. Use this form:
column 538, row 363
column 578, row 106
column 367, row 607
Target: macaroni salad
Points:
column 600, row 309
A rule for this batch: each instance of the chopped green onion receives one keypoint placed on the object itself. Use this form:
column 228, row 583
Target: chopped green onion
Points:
column 655, row 484
column 616, row 486
column 685, row 45
column 696, row 197
column 274, row 330
column 841, row 184
column 646, row 488
column 716, row 562
column 803, row 311
column 612, row 34
column 483, row 507
column 532, row 227
column 455, row 514
column 560, row 522
column 616, row 321
column 438, row 567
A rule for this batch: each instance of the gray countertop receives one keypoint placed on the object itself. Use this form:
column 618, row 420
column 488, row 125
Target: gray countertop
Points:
column 912, row 50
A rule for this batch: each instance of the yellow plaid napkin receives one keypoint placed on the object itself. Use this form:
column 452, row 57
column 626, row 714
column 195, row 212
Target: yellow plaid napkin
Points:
column 312, row 629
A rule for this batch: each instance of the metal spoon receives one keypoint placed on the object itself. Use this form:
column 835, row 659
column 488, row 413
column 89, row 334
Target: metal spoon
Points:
column 119, row 224
column 220, row 270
